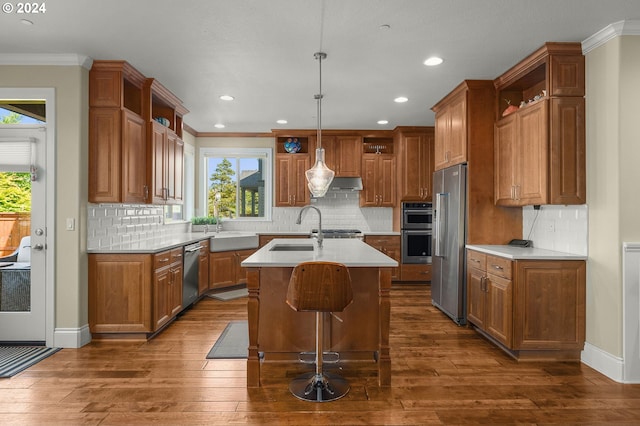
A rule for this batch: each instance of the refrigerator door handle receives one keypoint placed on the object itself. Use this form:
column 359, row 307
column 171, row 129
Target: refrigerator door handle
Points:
column 440, row 224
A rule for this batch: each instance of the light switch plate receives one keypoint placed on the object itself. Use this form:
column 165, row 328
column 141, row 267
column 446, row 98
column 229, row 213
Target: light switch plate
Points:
column 71, row 224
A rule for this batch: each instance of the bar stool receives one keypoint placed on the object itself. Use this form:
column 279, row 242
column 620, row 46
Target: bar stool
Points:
column 320, row 287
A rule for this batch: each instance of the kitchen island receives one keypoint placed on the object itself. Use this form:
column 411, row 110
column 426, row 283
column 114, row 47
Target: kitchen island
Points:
column 278, row 333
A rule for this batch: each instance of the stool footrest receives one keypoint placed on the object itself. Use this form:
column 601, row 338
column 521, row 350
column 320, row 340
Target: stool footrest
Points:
column 328, row 357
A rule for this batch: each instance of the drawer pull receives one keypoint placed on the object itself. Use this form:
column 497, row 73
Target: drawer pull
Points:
column 498, row 267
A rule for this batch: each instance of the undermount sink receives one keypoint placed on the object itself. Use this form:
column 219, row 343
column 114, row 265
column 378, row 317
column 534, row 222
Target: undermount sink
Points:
column 292, row 247
column 232, row 240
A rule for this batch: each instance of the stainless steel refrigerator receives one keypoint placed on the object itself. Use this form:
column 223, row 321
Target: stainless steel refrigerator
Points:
column 448, row 282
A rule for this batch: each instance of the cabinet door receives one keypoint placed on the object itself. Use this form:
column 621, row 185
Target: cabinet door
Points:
column 533, row 154
column 416, row 169
column 104, row 155
column 567, row 179
column 389, row 245
column 369, row 195
column 350, row 156
column 222, row 269
column 499, row 315
column 241, row 273
column 386, row 180
column 476, row 297
column 158, row 163
column 506, row 152
column 203, row 270
column 175, row 289
column 457, row 131
column 174, row 172
column 161, row 302
column 291, row 183
column 549, row 311
column 120, row 293
column 134, row 159
column 441, row 141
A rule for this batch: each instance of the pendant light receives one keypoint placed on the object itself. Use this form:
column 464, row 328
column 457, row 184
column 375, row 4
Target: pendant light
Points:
column 319, row 177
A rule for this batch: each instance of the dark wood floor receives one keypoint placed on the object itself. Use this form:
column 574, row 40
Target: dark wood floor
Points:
column 441, row 374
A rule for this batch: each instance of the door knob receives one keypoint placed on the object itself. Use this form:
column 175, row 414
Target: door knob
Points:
column 38, row 247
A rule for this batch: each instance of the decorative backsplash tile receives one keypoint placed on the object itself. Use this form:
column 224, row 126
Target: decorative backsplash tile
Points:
column 560, row 228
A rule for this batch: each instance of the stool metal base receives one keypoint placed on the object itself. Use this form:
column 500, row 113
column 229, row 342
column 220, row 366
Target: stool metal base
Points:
column 319, row 388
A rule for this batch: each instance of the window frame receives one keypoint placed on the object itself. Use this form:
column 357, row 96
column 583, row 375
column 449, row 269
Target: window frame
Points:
column 234, row 153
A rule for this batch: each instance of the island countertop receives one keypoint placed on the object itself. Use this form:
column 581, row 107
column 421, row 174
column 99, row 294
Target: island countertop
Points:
column 351, row 252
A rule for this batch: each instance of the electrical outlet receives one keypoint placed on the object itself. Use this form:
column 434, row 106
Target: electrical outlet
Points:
column 550, row 226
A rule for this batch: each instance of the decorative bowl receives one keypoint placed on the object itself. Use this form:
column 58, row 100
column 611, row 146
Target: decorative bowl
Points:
column 292, row 145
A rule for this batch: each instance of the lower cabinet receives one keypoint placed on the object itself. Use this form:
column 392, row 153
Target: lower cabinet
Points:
column 203, row 268
column 167, row 286
column 225, row 269
column 389, row 245
column 134, row 295
column 415, row 272
column 532, row 309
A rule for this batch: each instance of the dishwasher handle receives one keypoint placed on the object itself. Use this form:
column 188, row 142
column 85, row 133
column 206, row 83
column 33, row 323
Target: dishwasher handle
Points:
column 193, row 248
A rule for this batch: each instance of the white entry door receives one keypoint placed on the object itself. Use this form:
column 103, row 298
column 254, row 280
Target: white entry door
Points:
column 23, row 282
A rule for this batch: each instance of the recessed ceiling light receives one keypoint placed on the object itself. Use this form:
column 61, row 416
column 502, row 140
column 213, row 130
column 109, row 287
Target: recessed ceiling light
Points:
column 433, row 61
column 26, row 22
column 383, row 121
column 219, row 126
column 281, row 121
column 227, row 97
column 401, row 99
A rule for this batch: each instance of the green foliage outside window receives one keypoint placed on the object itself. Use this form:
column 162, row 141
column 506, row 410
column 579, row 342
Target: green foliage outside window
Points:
column 15, row 192
column 221, row 181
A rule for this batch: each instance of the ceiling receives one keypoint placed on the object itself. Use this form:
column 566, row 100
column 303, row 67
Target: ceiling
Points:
column 261, row 52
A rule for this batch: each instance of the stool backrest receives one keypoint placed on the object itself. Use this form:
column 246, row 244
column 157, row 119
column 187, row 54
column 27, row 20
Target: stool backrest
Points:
column 320, row 287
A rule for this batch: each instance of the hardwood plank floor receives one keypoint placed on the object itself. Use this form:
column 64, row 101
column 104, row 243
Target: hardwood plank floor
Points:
column 441, row 374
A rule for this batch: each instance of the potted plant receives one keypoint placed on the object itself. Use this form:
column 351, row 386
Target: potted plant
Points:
column 198, row 223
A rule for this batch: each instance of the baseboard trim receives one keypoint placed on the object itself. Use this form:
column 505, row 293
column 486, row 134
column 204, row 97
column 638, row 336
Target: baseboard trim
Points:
column 71, row 337
column 603, row 362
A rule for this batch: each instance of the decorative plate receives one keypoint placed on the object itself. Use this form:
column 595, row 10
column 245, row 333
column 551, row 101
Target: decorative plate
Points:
column 292, row 145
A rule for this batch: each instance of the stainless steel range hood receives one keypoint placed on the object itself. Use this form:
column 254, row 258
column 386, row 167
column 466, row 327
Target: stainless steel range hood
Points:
column 346, row 184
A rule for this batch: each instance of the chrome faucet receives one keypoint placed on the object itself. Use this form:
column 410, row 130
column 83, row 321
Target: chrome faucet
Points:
column 299, row 221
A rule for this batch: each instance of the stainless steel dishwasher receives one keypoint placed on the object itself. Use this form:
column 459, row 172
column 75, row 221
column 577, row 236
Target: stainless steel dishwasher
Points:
column 191, row 272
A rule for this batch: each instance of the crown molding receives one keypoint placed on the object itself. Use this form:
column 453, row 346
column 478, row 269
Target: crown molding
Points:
column 617, row 29
column 57, row 59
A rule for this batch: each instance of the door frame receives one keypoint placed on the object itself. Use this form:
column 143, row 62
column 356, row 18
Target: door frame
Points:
column 48, row 95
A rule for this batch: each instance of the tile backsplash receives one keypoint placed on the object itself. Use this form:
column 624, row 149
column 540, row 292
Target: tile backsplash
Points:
column 109, row 225
column 560, row 228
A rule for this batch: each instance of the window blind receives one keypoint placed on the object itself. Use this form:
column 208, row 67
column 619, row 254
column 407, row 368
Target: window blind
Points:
column 17, row 154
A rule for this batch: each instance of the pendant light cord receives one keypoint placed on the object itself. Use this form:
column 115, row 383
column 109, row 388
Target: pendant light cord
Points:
column 320, row 56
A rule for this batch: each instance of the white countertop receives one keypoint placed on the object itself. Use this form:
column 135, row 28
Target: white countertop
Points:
column 349, row 251
column 525, row 253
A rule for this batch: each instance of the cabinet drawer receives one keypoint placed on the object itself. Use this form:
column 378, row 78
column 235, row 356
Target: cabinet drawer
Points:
column 162, row 259
column 382, row 240
column 176, row 255
column 499, row 266
column 476, row 260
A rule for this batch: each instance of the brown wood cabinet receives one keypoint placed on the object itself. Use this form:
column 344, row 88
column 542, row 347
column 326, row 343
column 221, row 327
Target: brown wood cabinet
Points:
column 291, row 183
column 540, row 148
column 203, row 268
column 343, row 154
column 167, row 286
column 473, row 103
column 225, row 269
column 379, row 177
column 389, row 245
column 419, row 272
column 117, row 137
column 133, row 158
column 415, row 151
column 533, row 309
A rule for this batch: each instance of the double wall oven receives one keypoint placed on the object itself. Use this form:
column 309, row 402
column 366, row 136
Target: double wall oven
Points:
column 417, row 227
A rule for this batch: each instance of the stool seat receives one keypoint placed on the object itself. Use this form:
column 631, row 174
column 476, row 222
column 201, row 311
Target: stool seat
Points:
column 320, row 287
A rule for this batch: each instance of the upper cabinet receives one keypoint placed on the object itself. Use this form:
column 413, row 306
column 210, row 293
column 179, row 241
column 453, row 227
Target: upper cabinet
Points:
column 165, row 145
column 117, row 135
column 132, row 119
column 415, row 156
column 451, row 124
column 294, row 155
column 343, row 154
column 540, row 140
column 379, row 173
